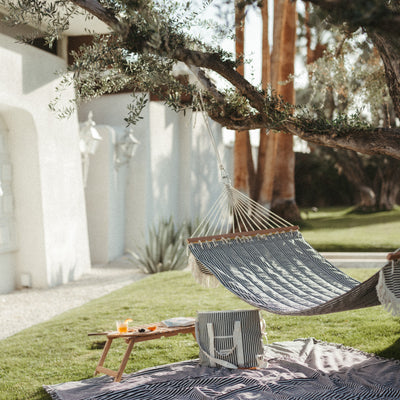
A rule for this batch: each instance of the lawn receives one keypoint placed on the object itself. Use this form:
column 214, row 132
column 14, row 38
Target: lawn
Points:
column 341, row 229
column 60, row 350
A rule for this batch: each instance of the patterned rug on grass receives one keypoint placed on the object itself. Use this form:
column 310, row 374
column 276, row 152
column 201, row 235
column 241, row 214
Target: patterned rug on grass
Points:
column 305, row 369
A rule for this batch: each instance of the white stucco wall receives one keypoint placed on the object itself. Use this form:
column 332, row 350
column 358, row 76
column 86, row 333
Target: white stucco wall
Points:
column 105, row 199
column 205, row 186
column 163, row 196
column 7, row 215
column 109, row 189
column 173, row 173
column 52, row 243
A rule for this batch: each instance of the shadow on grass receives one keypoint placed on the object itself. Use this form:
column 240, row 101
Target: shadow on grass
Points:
column 99, row 344
column 40, row 394
column 350, row 219
column 351, row 247
column 393, row 351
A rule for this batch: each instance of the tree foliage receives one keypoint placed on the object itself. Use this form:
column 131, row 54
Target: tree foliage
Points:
column 147, row 38
column 348, row 79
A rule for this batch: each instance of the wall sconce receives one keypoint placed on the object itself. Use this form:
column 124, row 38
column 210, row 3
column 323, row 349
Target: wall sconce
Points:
column 126, row 148
column 89, row 135
column 88, row 143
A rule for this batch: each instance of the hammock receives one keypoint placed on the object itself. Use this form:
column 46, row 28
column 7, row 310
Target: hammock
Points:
column 265, row 261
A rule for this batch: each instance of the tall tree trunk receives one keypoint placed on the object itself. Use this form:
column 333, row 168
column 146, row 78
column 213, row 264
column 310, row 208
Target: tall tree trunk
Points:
column 268, row 143
column 279, row 20
column 387, row 184
column 389, row 50
column 263, row 191
column 311, row 55
column 243, row 172
column 284, row 189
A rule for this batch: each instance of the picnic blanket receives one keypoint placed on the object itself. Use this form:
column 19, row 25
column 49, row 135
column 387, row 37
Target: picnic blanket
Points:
column 303, row 369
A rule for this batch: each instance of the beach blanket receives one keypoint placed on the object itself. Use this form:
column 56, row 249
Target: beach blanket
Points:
column 304, row 369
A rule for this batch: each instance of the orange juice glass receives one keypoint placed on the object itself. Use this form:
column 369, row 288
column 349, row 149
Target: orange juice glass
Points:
column 122, row 327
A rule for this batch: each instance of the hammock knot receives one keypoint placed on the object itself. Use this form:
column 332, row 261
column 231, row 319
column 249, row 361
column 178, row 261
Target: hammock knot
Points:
column 224, row 176
column 213, row 242
column 240, row 239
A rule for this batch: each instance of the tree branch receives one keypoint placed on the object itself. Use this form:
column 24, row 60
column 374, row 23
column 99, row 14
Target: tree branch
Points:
column 213, row 61
column 95, row 8
column 205, row 81
column 223, row 68
column 383, row 141
column 374, row 141
column 369, row 141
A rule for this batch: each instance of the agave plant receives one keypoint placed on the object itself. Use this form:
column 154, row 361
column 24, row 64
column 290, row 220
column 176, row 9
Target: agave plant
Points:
column 165, row 250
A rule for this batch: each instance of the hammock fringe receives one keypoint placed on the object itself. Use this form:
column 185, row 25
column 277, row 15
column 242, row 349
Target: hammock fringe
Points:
column 201, row 274
column 389, row 301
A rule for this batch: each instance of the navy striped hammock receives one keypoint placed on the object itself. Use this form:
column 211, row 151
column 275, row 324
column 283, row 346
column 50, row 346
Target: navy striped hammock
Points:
column 265, row 261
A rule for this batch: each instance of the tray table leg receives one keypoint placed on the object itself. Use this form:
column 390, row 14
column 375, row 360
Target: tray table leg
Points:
column 103, row 355
column 121, row 369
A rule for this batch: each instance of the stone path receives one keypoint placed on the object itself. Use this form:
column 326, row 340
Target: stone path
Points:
column 23, row 308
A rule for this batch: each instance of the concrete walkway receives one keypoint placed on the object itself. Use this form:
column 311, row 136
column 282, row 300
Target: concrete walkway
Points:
column 23, row 308
column 26, row 307
column 356, row 260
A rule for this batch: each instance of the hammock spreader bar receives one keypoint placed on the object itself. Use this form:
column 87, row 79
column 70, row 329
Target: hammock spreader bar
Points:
column 205, row 239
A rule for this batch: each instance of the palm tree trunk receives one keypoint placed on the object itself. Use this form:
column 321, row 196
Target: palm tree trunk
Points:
column 262, row 192
column 284, row 202
column 243, row 170
column 269, row 143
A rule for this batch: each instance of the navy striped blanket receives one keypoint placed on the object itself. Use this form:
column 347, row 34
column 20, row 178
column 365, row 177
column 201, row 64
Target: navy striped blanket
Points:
column 305, row 369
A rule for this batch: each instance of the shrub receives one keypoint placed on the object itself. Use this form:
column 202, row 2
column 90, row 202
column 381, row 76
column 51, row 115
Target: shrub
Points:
column 166, row 248
column 319, row 184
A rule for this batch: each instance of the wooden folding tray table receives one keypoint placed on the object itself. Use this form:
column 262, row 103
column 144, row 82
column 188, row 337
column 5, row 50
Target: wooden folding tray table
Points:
column 134, row 336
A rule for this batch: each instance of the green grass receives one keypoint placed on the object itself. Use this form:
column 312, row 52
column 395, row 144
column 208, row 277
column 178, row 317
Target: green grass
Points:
column 60, row 350
column 341, row 229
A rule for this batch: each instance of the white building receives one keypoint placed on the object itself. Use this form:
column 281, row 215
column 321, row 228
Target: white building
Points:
column 52, row 226
column 173, row 173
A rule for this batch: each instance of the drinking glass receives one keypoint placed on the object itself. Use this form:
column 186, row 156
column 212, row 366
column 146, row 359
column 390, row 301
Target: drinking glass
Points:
column 122, row 326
